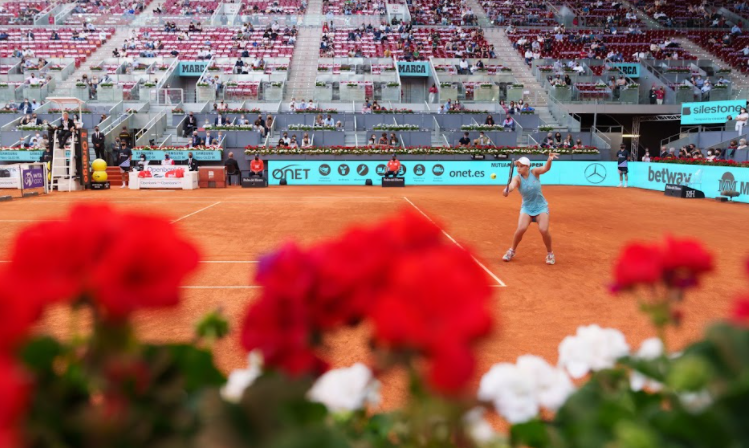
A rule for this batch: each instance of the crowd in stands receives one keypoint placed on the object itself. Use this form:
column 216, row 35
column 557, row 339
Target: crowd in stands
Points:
column 691, row 151
column 607, row 44
column 441, row 12
column 404, row 42
column 518, row 12
column 695, row 14
column 20, row 12
column 354, row 7
column 598, row 13
column 195, row 43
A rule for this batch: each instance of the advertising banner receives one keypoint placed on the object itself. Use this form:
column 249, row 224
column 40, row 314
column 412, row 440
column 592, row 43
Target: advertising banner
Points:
column 9, row 177
column 710, row 112
column 436, row 172
column 192, row 68
column 628, row 69
column 201, row 156
column 413, row 68
column 709, row 179
column 20, row 156
column 33, row 177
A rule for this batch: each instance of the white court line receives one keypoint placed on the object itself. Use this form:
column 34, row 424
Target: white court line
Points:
column 196, row 212
column 228, row 261
column 500, row 283
column 30, row 220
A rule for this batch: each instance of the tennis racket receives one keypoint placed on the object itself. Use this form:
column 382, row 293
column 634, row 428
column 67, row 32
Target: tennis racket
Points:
column 512, row 171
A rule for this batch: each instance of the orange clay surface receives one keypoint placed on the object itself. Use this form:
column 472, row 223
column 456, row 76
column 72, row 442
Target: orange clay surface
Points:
column 539, row 306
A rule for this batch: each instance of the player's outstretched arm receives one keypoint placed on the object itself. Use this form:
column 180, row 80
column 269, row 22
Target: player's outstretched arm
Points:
column 547, row 166
column 513, row 185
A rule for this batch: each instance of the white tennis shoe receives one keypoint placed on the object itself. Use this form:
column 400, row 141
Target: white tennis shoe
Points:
column 509, row 255
column 550, row 258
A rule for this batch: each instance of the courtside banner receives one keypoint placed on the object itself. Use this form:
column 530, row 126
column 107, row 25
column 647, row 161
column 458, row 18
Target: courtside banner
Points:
column 710, row 112
column 709, row 179
column 436, row 172
column 10, row 177
column 199, row 155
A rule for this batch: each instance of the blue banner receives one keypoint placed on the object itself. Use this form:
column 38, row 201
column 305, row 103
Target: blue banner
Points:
column 709, row 179
column 20, row 156
column 413, row 68
column 436, row 173
column 191, row 68
column 628, row 69
column 199, row 155
column 710, row 112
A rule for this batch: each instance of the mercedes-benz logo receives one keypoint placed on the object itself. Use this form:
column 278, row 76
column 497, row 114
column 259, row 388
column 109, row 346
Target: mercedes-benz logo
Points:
column 595, row 173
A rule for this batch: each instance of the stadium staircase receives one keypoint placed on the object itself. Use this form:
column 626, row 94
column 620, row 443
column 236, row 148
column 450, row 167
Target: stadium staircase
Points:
column 102, row 53
column 303, row 69
column 510, row 57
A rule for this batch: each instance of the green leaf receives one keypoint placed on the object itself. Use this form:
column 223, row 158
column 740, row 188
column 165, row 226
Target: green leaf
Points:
column 40, row 353
column 532, row 433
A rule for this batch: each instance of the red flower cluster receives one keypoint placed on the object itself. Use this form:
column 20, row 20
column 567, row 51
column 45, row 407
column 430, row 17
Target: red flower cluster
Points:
column 677, row 263
column 120, row 261
column 740, row 311
column 14, row 391
column 423, row 294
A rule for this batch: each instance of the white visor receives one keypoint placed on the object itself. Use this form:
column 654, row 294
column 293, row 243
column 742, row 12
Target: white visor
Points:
column 524, row 161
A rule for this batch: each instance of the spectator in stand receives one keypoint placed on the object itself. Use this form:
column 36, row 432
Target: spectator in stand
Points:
column 383, row 139
column 568, row 142
column 393, row 140
column 557, row 139
column 548, row 142
column 306, row 141
column 191, row 124
column 527, row 108
column 652, row 94
column 464, row 141
column 509, row 123
column 483, row 140
column 328, row 121
column 195, row 140
column 741, row 120
column 664, row 152
column 489, row 120
column 710, row 155
column 372, row 140
column 646, row 157
column 660, row 94
column 578, row 144
column 432, row 93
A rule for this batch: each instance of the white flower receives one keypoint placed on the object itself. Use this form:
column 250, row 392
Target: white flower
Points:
column 553, row 386
column 650, row 349
column 346, row 389
column 696, row 402
column 592, row 348
column 512, row 392
column 241, row 379
column 478, row 428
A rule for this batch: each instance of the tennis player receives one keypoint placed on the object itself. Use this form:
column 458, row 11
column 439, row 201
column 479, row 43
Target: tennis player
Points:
column 534, row 207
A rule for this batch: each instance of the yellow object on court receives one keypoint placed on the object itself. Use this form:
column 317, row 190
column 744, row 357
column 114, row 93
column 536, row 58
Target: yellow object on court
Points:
column 99, row 176
column 99, row 165
column 493, row 176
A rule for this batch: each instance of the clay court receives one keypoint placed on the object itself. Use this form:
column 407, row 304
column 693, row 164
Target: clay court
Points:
column 536, row 305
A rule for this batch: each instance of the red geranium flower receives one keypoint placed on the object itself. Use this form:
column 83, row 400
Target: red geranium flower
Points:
column 121, row 261
column 684, row 260
column 14, row 393
column 126, row 278
column 740, row 312
column 435, row 295
column 18, row 312
column 638, row 264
